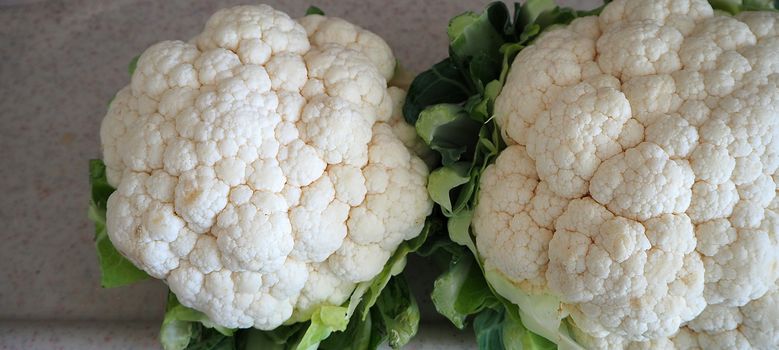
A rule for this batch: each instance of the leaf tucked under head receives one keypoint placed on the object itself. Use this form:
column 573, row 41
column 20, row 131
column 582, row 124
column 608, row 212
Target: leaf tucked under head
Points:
column 324, row 321
column 442, row 83
column 526, row 14
column 449, row 130
column 735, row 7
column 488, row 326
column 443, row 180
column 397, row 313
column 133, row 64
column 461, row 290
column 313, row 10
column 475, row 41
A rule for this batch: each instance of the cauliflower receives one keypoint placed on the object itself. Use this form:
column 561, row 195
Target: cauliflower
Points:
column 638, row 185
column 260, row 168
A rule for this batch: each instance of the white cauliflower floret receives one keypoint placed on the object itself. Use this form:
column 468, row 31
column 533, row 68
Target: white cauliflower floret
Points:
column 584, row 126
column 256, row 167
column 639, row 48
column 650, row 135
column 752, row 326
column 512, row 231
column 741, row 264
column 643, row 182
column 531, row 89
column 623, row 278
column 681, row 14
column 613, row 342
column 323, row 30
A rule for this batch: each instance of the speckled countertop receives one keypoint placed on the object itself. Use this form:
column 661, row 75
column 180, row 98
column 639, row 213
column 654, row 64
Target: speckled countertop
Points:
column 60, row 62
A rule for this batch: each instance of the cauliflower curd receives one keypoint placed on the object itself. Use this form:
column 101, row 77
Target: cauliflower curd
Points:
column 256, row 167
column 639, row 182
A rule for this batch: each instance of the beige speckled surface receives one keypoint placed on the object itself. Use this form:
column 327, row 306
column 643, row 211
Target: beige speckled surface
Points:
column 60, row 63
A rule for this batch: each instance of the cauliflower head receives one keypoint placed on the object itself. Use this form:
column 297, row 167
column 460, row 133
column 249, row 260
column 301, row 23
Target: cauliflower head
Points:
column 257, row 168
column 639, row 181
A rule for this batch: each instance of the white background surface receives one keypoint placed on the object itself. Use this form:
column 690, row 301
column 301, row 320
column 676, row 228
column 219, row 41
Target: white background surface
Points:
column 60, row 63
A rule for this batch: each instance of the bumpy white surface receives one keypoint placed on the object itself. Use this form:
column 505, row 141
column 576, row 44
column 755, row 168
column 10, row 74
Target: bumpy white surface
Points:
column 752, row 326
column 256, row 167
column 639, row 184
